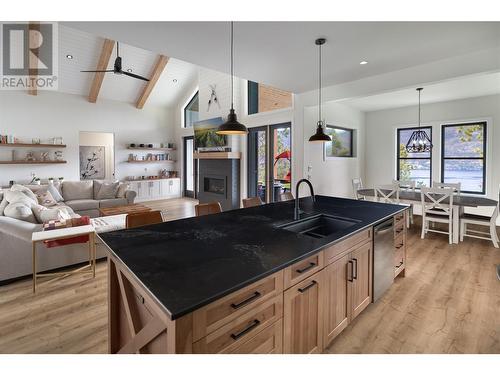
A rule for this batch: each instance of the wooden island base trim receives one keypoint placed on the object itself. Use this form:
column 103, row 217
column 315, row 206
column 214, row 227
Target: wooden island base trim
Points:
column 300, row 309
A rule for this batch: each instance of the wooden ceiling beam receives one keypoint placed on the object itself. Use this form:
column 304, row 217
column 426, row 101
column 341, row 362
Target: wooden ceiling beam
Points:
column 102, row 64
column 153, row 78
column 34, row 40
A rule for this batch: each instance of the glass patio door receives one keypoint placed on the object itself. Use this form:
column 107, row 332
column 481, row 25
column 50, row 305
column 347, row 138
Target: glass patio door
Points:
column 269, row 162
column 189, row 167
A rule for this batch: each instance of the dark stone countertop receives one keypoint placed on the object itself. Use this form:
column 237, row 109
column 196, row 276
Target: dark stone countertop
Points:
column 188, row 263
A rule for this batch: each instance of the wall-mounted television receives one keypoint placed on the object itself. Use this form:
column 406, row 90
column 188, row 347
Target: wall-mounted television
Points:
column 206, row 137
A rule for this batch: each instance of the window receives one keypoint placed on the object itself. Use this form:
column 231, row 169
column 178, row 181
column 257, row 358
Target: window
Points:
column 264, row 98
column 413, row 166
column 341, row 144
column 191, row 111
column 463, row 156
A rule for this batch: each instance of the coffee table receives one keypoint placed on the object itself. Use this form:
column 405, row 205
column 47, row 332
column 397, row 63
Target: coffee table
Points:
column 128, row 209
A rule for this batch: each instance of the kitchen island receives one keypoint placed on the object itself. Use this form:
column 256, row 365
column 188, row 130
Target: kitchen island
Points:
column 248, row 280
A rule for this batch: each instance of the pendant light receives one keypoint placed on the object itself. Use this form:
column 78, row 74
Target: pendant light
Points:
column 419, row 140
column 320, row 135
column 232, row 126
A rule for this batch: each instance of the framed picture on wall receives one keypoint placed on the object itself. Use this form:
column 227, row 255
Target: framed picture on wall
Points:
column 92, row 163
column 341, row 145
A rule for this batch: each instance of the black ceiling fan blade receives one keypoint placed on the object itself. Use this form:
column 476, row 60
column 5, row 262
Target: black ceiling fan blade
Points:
column 96, row 71
column 135, row 76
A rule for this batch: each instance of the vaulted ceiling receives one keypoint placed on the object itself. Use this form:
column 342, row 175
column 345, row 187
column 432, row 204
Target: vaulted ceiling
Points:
column 177, row 77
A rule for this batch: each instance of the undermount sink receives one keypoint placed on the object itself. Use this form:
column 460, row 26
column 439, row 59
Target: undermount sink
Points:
column 319, row 226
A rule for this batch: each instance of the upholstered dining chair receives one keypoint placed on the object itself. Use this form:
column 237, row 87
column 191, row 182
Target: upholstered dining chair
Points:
column 436, row 210
column 485, row 221
column 357, row 184
column 286, row 197
column 140, row 219
column 251, row 202
column 207, row 208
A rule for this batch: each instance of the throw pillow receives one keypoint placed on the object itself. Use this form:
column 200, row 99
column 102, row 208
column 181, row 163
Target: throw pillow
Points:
column 45, row 198
column 107, row 191
column 3, row 204
column 20, row 211
column 56, row 193
column 17, row 192
column 44, row 214
column 122, row 189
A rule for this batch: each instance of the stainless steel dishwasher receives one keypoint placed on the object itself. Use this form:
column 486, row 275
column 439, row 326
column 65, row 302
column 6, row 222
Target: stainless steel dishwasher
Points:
column 383, row 258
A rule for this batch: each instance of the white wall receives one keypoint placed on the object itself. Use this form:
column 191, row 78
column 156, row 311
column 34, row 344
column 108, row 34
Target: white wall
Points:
column 333, row 176
column 106, row 140
column 51, row 114
column 381, row 135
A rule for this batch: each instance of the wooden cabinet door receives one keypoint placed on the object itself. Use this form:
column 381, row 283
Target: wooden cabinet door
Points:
column 361, row 286
column 337, row 305
column 303, row 316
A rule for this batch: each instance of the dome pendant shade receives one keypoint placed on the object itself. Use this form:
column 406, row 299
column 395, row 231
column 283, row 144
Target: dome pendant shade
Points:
column 419, row 142
column 232, row 126
column 320, row 135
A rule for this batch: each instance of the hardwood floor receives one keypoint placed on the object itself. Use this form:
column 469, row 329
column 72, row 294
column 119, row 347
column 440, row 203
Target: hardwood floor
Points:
column 448, row 303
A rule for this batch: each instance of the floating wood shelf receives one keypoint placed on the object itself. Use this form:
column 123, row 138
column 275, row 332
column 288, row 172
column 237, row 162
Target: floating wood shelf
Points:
column 152, row 148
column 40, row 145
column 151, row 161
column 33, row 162
column 217, row 155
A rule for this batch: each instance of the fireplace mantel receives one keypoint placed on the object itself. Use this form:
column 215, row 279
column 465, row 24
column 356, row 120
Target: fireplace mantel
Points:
column 217, row 155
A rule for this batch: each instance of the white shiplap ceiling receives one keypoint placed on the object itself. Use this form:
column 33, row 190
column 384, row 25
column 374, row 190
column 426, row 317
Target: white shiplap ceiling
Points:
column 464, row 87
column 86, row 48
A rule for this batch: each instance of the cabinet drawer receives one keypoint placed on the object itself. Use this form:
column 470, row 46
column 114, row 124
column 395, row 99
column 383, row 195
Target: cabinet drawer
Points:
column 399, row 260
column 399, row 241
column 241, row 329
column 303, row 269
column 332, row 253
column 267, row 341
column 399, row 218
column 399, row 227
column 213, row 316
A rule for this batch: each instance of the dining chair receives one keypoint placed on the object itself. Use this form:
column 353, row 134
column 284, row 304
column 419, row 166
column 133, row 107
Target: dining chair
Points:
column 387, row 193
column 436, row 210
column 485, row 221
column 357, row 184
column 447, row 185
column 207, row 208
column 139, row 219
column 407, row 185
column 286, row 197
column 251, row 202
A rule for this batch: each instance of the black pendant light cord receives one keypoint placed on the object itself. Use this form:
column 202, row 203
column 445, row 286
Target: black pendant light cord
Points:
column 232, row 76
column 319, row 109
column 419, row 91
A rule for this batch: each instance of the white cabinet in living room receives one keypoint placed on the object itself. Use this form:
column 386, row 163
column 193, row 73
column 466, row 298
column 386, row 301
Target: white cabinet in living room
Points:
column 156, row 189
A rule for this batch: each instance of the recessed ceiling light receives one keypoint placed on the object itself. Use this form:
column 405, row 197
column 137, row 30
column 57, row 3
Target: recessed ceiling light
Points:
column 69, row 57
column 363, row 62
column 174, row 80
column 129, row 70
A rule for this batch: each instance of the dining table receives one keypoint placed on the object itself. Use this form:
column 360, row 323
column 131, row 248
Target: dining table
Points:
column 460, row 201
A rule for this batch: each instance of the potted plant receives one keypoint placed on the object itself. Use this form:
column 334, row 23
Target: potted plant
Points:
column 37, row 181
column 51, row 180
column 61, row 179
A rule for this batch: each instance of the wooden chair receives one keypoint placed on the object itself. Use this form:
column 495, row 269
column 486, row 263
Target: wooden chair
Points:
column 434, row 210
column 486, row 221
column 207, row 208
column 407, row 185
column 140, row 219
column 448, row 185
column 251, row 202
column 387, row 193
column 286, row 197
column 357, row 184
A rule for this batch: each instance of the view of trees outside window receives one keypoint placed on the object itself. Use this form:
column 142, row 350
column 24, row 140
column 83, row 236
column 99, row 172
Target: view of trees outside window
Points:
column 282, row 144
column 463, row 156
column 414, row 166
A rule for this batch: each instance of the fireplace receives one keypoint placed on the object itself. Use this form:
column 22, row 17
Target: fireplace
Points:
column 215, row 185
column 219, row 181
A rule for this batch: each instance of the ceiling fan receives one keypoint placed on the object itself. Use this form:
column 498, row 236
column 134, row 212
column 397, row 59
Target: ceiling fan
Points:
column 117, row 69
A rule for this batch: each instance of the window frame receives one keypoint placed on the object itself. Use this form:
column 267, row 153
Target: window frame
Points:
column 483, row 158
column 196, row 93
column 351, row 131
column 399, row 158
